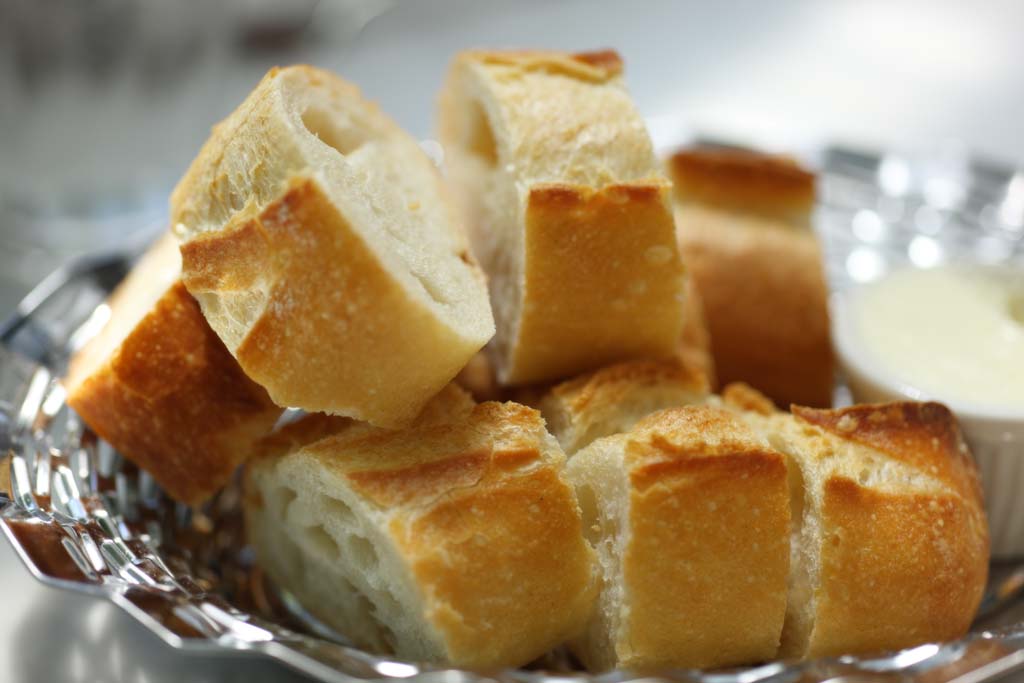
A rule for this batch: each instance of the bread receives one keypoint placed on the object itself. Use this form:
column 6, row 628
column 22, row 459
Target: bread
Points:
column 744, row 181
column 613, row 399
column 695, row 344
column 689, row 512
column 159, row 386
column 456, row 541
column 890, row 543
column 317, row 240
column 742, row 221
column 567, row 209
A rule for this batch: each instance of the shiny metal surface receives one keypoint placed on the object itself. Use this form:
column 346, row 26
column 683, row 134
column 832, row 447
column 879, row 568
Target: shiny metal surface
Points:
column 84, row 520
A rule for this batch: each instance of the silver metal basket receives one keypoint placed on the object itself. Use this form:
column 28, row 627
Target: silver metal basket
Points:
column 83, row 519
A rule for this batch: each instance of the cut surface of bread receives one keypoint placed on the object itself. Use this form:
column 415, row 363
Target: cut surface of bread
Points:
column 890, row 543
column 318, row 241
column 613, row 399
column 159, row 386
column 567, row 210
column 689, row 512
column 743, row 221
column 456, row 540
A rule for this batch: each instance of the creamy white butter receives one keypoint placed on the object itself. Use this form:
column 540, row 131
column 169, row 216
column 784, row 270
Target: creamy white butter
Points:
column 954, row 333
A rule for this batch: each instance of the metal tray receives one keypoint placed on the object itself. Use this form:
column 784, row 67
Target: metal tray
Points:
column 83, row 519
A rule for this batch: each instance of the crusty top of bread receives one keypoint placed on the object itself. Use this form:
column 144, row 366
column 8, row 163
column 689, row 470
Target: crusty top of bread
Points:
column 744, row 181
column 533, row 89
column 159, row 386
column 465, row 499
column 319, row 242
column 155, row 273
column 450, row 404
column 596, row 65
column 568, row 208
column 896, row 548
column 705, row 557
column 614, row 398
column 925, row 436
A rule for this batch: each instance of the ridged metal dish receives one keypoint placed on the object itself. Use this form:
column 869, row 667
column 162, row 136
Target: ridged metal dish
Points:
column 83, row 519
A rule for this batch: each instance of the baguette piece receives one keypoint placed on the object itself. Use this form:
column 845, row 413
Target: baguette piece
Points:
column 457, row 540
column 890, row 543
column 613, row 399
column 689, row 512
column 747, row 182
column 743, row 221
column 567, row 209
column 159, row 386
column 316, row 237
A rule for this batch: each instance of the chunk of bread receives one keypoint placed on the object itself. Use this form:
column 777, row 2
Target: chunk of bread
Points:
column 689, row 512
column 317, row 240
column 695, row 344
column 159, row 386
column 744, row 181
column 743, row 230
column 457, row 540
column 567, row 208
column 890, row 543
column 613, row 399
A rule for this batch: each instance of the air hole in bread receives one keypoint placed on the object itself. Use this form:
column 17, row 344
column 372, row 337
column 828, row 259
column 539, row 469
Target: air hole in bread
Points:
column 281, row 499
column 587, row 499
column 362, row 553
column 324, row 125
column 480, row 139
column 324, row 543
column 338, row 510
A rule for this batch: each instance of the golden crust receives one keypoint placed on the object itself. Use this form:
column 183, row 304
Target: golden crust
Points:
column 568, row 212
column 897, row 569
column 766, row 304
column 706, row 565
column 744, row 397
column 923, row 435
column 173, row 401
column 695, row 343
column 604, row 265
column 614, row 398
column 490, row 531
column 339, row 279
column 295, row 242
column 744, row 181
column 597, row 65
column 902, row 543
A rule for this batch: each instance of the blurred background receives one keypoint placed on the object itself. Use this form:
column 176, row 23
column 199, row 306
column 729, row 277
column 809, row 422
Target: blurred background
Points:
column 103, row 103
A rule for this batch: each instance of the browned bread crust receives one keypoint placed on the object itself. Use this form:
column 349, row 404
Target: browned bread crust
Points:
column 613, row 399
column 476, row 533
column 695, row 549
column 318, row 241
column 743, row 221
column 765, row 301
column 567, row 209
column 171, row 398
column 774, row 187
column 892, row 534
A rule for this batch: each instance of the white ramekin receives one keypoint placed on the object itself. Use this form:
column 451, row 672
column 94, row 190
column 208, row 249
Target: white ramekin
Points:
column 995, row 436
